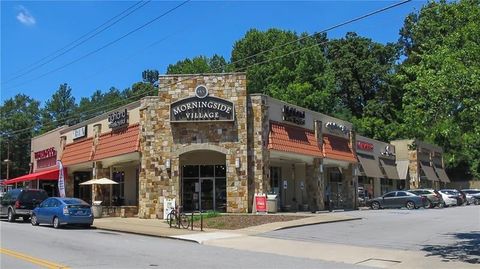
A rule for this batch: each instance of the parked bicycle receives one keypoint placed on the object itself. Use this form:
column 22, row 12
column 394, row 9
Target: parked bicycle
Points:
column 178, row 218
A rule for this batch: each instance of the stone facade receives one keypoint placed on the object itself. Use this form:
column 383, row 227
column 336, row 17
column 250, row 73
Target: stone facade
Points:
column 163, row 141
column 258, row 155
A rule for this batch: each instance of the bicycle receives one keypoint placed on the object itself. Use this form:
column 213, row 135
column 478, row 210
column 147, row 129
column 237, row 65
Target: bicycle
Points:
column 180, row 218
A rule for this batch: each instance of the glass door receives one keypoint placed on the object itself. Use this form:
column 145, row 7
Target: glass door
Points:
column 207, row 194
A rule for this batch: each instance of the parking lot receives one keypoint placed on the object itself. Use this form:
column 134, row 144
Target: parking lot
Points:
column 435, row 231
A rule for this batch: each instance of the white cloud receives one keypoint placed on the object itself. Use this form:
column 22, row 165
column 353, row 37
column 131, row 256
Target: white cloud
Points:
column 25, row 17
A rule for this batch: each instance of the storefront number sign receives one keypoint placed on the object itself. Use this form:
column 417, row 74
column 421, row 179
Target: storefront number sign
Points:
column 201, row 107
column 365, row 146
column 79, row 132
column 118, row 119
column 291, row 114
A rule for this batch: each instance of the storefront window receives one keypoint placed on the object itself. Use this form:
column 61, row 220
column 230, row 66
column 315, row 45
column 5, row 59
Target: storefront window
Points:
column 206, row 171
column 220, row 171
column 190, row 171
column 118, row 189
column 275, row 176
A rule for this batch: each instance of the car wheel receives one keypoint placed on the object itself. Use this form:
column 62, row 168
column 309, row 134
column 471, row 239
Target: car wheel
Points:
column 427, row 204
column 26, row 219
column 56, row 223
column 441, row 205
column 476, row 201
column 34, row 220
column 375, row 205
column 410, row 205
column 11, row 217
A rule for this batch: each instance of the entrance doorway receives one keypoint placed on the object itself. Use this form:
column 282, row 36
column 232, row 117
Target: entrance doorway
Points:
column 83, row 192
column 204, row 187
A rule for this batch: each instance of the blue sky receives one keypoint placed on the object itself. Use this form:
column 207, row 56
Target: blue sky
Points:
column 31, row 30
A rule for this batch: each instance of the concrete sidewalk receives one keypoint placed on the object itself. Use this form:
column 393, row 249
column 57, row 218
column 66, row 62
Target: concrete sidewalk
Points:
column 159, row 228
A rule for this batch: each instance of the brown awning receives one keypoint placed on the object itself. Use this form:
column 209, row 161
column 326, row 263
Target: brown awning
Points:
column 429, row 172
column 370, row 165
column 390, row 168
column 442, row 175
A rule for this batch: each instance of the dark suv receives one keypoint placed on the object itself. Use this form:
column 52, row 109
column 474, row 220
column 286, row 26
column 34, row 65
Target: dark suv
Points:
column 20, row 203
column 434, row 198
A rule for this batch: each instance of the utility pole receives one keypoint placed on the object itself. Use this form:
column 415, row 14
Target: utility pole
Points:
column 7, row 160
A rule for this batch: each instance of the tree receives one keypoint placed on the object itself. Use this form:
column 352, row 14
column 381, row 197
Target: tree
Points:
column 150, row 76
column 442, row 81
column 59, row 110
column 288, row 67
column 19, row 121
column 362, row 69
column 199, row 65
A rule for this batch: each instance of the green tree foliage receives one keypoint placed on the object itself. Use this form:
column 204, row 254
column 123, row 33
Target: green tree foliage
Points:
column 19, row 121
column 199, row 65
column 441, row 80
column 59, row 110
column 287, row 66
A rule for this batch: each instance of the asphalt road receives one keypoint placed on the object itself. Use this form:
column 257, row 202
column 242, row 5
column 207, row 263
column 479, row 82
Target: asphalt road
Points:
column 452, row 233
column 31, row 247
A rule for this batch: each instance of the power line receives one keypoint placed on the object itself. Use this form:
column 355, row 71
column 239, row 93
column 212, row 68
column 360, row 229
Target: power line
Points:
column 39, row 63
column 244, row 68
column 106, row 45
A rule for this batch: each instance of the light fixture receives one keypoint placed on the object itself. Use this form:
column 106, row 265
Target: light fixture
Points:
column 167, row 163
column 321, row 168
column 237, row 162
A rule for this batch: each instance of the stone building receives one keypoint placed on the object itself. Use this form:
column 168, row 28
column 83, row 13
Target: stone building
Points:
column 421, row 164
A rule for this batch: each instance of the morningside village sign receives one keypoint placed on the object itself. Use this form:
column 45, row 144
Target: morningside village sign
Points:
column 202, row 107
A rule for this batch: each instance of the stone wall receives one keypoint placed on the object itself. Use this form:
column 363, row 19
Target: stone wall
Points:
column 258, row 156
column 162, row 140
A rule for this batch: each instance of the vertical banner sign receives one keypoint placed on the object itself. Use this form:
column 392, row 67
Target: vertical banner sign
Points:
column 261, row 203
column 61, row 179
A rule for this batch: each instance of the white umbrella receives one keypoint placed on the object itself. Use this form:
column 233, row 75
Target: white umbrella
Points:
column 99, row 181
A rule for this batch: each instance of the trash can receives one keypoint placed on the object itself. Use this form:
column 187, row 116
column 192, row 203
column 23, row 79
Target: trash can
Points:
column 272, row 200
column 97, row 209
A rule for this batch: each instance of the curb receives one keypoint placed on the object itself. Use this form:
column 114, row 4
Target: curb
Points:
column 147, row 234
column 314, row 223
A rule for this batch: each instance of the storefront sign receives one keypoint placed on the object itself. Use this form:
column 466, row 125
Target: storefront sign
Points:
column 291, row 114
column 45, row 154
column 365, row 146
column 118, row 119
column 388, row 151
column 201, row 107
column 336, row 127
column 261, row 203
column 79, row 132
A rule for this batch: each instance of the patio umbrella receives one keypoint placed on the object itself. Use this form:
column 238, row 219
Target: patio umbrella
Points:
column 99, row 181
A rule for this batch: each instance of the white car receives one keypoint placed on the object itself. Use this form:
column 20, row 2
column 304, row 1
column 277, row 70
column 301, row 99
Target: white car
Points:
column 473, row 196
column 447, row 201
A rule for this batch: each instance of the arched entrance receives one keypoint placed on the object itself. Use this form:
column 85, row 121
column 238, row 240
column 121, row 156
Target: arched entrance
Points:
column 203, row 180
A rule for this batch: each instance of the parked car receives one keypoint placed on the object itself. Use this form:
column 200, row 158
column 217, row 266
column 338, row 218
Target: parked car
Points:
column 433, row 198
column 461, row 198
column 448, row 200
column 473, row 195
column 63, row 211
column 20, row 203
column 397, row 199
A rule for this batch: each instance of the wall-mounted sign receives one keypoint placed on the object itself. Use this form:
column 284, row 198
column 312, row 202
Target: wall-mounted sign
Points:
column 45, row 154
column 118, row 119
column 365, row 146
column 335, row 127
column 294, row 115
column 388, row 151
column 79, row 132
column 201, row 107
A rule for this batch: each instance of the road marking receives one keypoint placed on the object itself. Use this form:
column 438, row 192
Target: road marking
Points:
column 37, row 261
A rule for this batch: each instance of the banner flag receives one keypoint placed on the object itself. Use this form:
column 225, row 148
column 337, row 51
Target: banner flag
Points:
column 61, row 179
